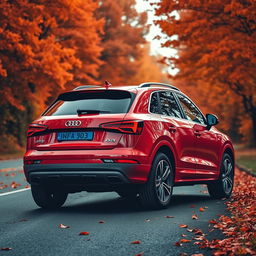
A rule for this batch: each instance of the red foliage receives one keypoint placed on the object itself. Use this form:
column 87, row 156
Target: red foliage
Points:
column 136, row 242
column 240, row 228
column 6, row 248
column 84, row 233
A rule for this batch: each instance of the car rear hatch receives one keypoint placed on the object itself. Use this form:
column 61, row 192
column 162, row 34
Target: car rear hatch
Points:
column 76, row 120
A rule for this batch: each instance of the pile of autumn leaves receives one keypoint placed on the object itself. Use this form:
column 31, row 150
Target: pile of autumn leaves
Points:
column 240, row 228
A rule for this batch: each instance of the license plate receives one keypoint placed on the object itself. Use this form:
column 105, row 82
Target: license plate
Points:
column 64, row 136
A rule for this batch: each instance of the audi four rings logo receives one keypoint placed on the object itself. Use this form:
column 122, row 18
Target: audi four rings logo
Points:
column 73, row 123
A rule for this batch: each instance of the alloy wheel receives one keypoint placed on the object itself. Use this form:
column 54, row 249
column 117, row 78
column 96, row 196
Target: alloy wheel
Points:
column 227, row 176
column 163, row 182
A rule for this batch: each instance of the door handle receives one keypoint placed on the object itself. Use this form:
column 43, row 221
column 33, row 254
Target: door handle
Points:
column 172, row 128
column 197, row 133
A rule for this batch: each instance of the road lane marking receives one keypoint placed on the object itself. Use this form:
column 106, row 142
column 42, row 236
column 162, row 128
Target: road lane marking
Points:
column 12, row 192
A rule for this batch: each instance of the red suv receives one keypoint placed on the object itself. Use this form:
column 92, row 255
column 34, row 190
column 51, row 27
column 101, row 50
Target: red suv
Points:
column 135, row 140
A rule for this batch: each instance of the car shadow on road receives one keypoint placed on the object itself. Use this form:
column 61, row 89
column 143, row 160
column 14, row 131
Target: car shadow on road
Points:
column 118, row 205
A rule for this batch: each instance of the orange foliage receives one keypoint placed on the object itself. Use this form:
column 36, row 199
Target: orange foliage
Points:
column 124, row 30
column 43, row 46
column 216, row 43
column 147, row 69
column 50, row 46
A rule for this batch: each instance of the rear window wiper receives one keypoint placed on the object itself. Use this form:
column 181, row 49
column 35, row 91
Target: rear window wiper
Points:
column 90, row 111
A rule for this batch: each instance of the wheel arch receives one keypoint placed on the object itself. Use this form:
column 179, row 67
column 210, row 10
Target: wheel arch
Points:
column 228, row 148
column 164, row 146
column 229, row 151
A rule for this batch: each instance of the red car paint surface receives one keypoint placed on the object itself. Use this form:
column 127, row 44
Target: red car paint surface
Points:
column 195, row 148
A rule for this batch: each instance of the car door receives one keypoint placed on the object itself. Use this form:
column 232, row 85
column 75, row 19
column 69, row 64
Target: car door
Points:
column 180, row 131
column 206, row 142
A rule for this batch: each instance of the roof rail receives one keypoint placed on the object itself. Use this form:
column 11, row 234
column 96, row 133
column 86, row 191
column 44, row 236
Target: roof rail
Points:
column 148, row 84
column 85, row 87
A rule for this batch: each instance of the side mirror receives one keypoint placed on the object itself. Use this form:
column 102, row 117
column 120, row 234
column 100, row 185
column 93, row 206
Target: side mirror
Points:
column 211, row 120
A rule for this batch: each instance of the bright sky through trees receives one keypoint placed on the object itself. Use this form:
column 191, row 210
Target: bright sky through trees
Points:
column 156, row 49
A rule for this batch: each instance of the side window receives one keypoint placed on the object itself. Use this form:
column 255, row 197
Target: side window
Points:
column 169, row 105
column 190, row 110
column 154, row 107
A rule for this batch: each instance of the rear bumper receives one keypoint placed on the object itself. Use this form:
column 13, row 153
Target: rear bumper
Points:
column 81, row 173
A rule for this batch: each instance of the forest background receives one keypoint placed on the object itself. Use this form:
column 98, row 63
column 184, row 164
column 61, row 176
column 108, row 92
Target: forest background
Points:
column 47, row 47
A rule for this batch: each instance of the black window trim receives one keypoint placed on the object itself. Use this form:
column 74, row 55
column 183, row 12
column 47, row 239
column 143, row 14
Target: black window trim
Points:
column 185, row 117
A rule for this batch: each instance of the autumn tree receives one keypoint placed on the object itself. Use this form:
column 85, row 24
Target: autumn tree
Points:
column 216, row 43
column 75, row 27
column 122, row 40
column 148, row 69
column 43, row 46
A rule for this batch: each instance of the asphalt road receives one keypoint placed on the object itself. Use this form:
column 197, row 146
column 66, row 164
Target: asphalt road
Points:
column 29, row 230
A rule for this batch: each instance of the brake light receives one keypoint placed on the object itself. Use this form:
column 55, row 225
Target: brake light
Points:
column 36, row 128
column 120, row 161
column 132, row 127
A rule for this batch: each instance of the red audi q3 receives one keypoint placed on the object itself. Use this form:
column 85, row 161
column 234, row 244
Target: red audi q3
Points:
column 139, row 141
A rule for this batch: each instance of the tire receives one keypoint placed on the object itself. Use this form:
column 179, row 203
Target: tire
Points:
column 48, row 199
column 157, row 192
column 222, row 188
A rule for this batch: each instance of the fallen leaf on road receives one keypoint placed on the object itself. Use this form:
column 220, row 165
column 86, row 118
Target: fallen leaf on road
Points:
column 63, row 226
column 197, row 231
column 194, row 217
column 84, row 233
column 213, row 221
column 139, row 254
column 6, row 248
column 199, row 238
column 136, row 242
column 15, row 185
column 219, row 253
column 239, row 228
column 184, row 241
column 183, row 226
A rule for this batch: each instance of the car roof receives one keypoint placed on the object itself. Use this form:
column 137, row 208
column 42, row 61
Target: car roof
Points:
column 133, row 88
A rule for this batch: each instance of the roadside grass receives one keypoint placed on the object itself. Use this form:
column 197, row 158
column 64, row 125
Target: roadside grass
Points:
column 246, row 157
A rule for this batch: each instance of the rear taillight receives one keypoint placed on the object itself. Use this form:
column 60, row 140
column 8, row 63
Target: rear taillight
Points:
column 131, row 126
column 36, row 128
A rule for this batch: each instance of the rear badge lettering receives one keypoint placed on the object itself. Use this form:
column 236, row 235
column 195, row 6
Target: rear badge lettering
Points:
column 110, row 140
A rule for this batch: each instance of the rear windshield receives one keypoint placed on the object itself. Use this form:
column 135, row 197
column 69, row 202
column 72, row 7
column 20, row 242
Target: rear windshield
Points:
column 107, row 101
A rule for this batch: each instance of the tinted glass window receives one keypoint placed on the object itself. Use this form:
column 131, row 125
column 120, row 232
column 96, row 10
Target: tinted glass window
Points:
column 190, row 110
column 169, row 105
column 108, row 101
column 154, row 107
